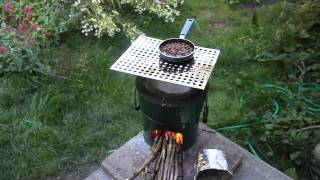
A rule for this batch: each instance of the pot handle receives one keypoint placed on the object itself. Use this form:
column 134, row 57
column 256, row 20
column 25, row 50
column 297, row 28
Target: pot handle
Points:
column 135, row 101
column 186, row 28
column 205, row 110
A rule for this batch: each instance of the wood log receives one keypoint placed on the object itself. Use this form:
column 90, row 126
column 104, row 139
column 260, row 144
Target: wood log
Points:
column 152, row 167
column 176, row 165
column 145, row 173
column 149, row 159
column 171, row 162
column 163, row 160
column 149, row 168
column 158, row 163
column 166, row 164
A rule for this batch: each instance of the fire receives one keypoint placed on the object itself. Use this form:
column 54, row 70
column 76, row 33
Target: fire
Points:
column 155, row 133
column 178, row 137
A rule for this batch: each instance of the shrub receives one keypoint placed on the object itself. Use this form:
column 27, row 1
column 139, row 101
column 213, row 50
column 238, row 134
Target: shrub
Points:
column 53, row 18
column 19, row 47
column 26, row 29
column 100, row 17
column 292, row 41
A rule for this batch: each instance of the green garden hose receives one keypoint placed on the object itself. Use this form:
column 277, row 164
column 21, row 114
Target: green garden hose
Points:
column 312, row 107
column 243, row 99
column 251, row 149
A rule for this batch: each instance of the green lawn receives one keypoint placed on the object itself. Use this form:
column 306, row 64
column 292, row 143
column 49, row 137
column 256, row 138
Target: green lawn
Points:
column 51, row 126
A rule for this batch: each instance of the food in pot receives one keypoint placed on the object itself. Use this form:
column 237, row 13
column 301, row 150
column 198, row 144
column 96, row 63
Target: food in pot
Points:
column 176, row 49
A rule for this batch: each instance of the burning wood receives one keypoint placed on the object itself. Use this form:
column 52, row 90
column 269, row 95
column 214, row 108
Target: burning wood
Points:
column 163, row 161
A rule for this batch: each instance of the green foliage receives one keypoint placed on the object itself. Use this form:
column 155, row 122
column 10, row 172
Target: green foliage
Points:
column 237, row 2
column 19, row 36
column 284, row 138
column 26, row 28
column 99, row 17
column 53, row 19
column 291, row 41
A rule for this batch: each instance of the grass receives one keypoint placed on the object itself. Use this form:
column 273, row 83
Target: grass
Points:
column 50, row 127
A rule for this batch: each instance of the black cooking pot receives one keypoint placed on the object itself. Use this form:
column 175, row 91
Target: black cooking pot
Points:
column 179, row 59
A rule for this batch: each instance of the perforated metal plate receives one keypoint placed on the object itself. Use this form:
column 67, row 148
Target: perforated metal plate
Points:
column 142, row 59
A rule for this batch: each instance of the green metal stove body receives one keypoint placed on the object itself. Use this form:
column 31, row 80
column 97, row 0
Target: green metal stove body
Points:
column 167, row 106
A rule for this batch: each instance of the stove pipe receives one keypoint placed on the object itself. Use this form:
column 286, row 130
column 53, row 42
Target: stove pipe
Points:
column 167, row 106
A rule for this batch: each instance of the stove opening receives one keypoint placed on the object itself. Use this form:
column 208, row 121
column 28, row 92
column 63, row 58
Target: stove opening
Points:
column 167, row 135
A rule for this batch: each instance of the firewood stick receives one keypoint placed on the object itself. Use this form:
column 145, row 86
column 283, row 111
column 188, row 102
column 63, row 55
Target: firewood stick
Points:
column 154, row 167
column 163, row 159
column 159, row 170
column 166, row 165
column 149, row 159
column 145, row 173
column 158, row 164
column 176, row 166
column 149, row 168
column 172, row 161
column 171, row 169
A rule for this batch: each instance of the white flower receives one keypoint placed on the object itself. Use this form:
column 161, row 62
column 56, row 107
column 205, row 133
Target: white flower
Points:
column 97, row 19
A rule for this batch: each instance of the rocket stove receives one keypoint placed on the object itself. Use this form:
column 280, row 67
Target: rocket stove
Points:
column 170, row 96
column 171, row 92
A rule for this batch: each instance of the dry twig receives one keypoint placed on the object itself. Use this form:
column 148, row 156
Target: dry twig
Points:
column 172, row 162
column 163, row 160
column 166, row 164
column 176, row 167
column 152, row 156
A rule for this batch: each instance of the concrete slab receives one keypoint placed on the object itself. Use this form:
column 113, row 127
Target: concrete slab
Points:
column 128, row 158
column 98, row 174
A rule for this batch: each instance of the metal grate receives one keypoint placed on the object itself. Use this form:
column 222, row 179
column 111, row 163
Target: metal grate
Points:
column 142, row 59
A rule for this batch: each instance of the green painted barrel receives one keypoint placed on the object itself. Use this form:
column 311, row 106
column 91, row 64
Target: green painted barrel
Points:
column 167, row 106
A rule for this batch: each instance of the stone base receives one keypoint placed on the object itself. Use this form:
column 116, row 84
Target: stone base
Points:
column 129, row 157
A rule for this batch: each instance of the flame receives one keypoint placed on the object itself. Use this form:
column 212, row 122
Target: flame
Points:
column 173, row 134
column 168, row 134
column 155, row 133
column 179, row 138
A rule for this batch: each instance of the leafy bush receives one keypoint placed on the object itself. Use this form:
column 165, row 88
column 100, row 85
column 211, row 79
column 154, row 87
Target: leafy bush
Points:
column 25, row 30
column 18, row 39
column 53, row 19
column 251, row 2
column 100, row 17
column 289, row 138
column 292, row 41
